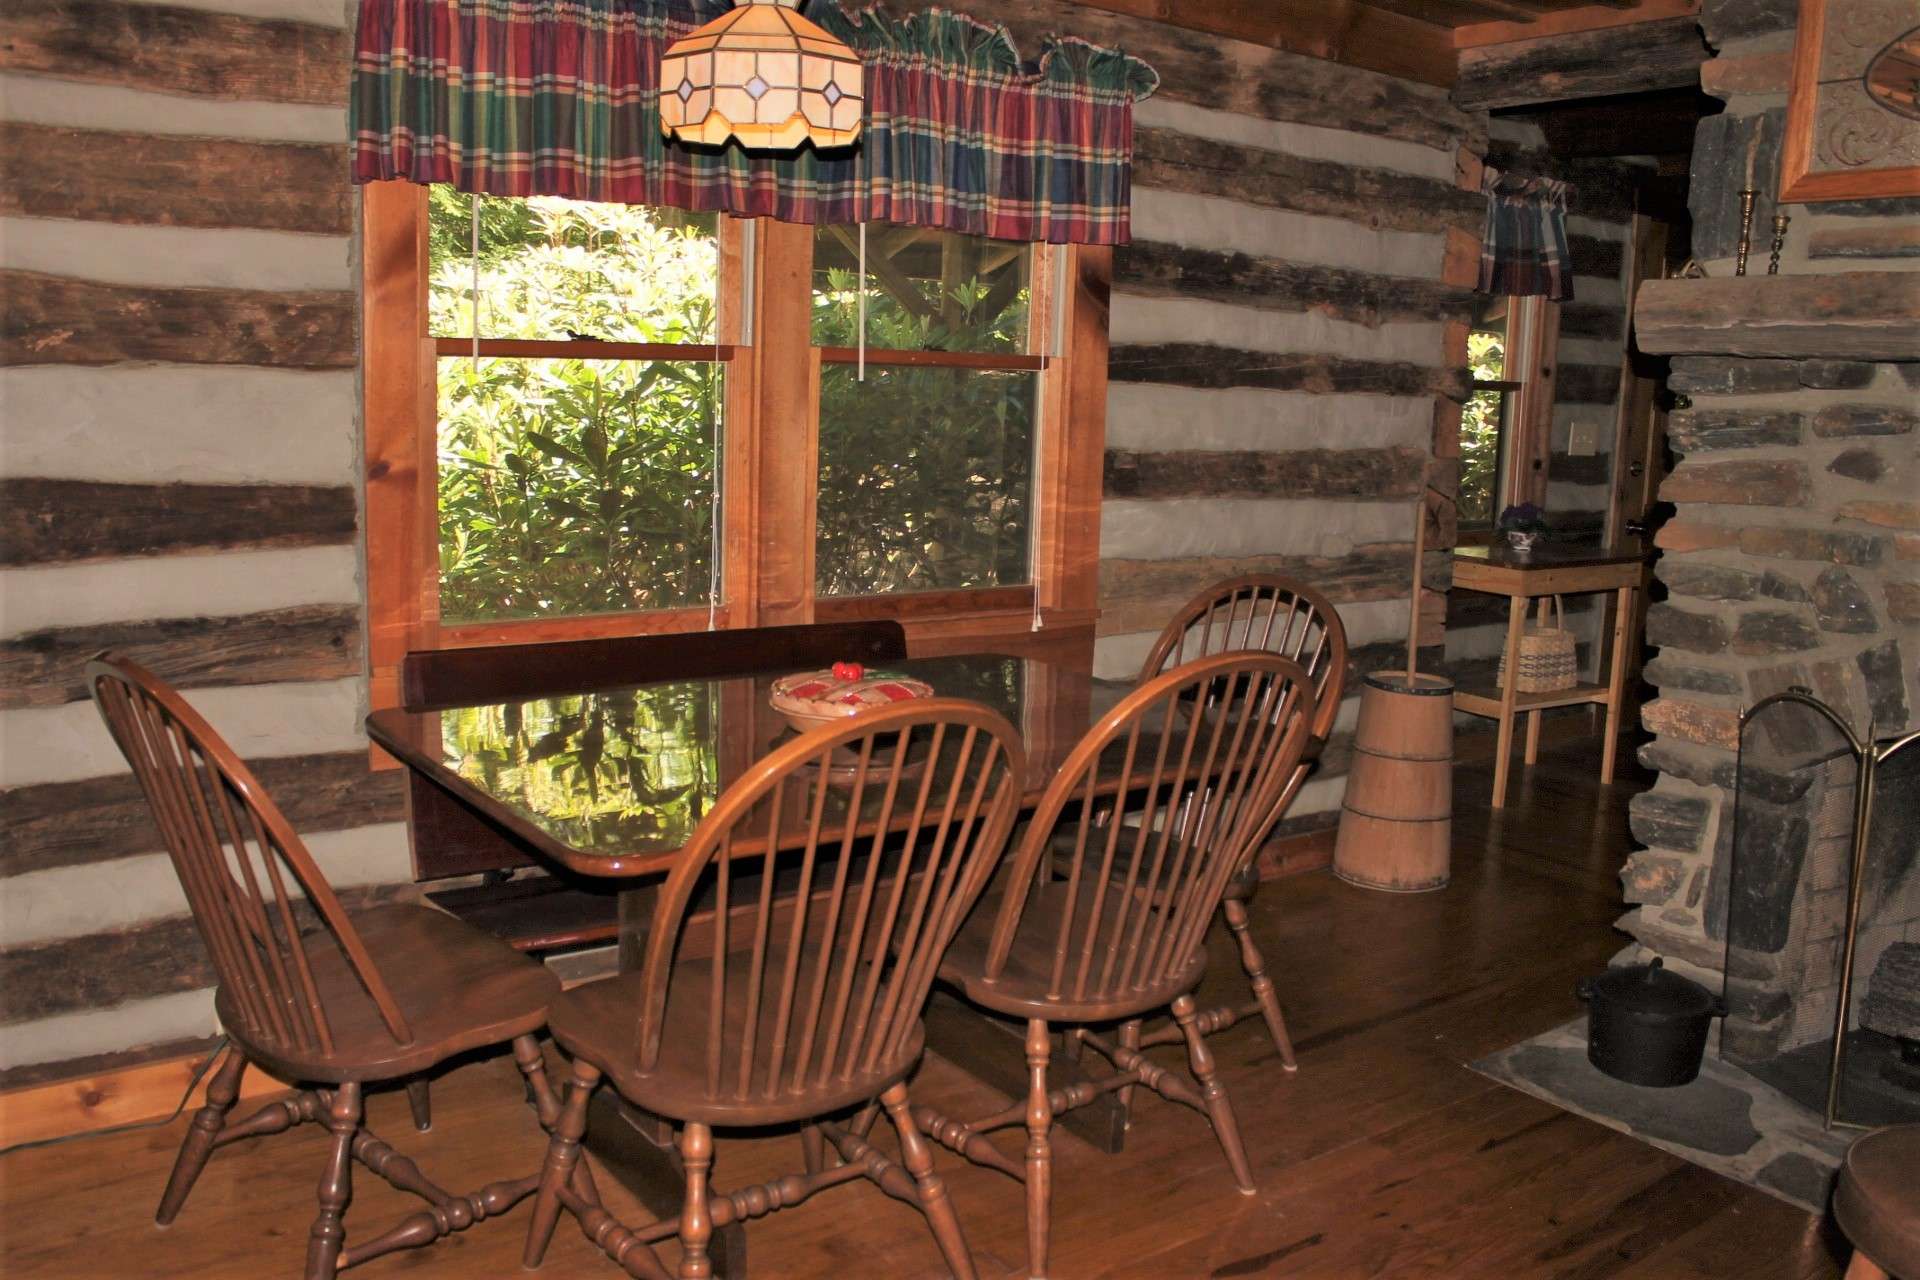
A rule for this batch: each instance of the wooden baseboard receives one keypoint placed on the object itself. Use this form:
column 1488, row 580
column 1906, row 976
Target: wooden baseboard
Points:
column 128, row 1095
column 1293, row 855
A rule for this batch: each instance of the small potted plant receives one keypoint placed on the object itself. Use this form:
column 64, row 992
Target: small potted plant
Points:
column 1525, row 525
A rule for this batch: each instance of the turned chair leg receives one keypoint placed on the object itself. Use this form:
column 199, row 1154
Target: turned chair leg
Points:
column 563, row 1152
column 1256, row 966
column 813, row 1148
column 329, row 1234
column 696, row 1216
column 222, row 1089
column 1039, row 1149
column 1864, row 1268
column 1129, row 1039
column 420, row 1102
column 934, row 1201
column 1214, row 1094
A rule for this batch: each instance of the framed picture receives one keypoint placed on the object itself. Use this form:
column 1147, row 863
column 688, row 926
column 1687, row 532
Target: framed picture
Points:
column 1853, row 126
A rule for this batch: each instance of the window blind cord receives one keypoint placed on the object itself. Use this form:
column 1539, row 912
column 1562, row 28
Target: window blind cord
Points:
column 474, row 249
column 713, row 489
column 199, row 1074
column 861, row 376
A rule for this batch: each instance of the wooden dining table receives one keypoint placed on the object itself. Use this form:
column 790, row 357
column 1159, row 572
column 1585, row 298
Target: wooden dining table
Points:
column 610, row 783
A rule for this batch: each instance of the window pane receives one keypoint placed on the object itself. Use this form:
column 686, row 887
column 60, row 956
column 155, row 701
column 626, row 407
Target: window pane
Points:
column 925, row 479
column 1487, row 343
column 1482, row 427
column 926, row 290
column 575, row 486
column 551, row 269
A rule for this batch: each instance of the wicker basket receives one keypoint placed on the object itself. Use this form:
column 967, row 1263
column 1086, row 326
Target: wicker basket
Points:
column 1547, row 656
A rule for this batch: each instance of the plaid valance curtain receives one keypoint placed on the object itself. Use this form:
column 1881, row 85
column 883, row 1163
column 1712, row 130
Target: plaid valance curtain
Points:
column 559, row 97
column 1524, row 249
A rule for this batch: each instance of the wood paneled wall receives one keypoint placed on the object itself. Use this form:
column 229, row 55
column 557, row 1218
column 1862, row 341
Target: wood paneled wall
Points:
column 181, row 462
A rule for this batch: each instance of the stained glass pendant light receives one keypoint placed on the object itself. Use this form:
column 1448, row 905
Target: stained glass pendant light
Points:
column 762, row 74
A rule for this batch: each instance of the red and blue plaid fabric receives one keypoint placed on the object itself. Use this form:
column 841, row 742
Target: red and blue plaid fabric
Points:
column 560, row 97
column 1524, row 249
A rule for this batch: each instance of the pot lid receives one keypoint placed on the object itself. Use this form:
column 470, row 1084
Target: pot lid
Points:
column 1650, row 989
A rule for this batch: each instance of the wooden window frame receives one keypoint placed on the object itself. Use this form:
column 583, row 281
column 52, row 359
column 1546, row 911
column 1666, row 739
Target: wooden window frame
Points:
column 770, row 457
column 1533, row 340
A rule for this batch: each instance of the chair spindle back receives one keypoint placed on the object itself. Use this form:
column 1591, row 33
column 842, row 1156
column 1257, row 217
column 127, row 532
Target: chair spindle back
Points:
column 243, row 869
column 1262, row 611
column 881, row 833
column 1194, row 757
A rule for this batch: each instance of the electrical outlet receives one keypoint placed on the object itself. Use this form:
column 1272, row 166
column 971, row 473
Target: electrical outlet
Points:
column 1584, row 440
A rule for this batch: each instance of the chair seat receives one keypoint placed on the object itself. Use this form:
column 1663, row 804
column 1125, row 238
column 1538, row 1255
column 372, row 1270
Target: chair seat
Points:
column 1021, row 990
column 1877, row 1201
column 457, row 987
column 600, row 1021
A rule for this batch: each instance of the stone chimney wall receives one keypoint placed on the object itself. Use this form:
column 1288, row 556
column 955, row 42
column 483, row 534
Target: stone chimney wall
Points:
column 1794, row 555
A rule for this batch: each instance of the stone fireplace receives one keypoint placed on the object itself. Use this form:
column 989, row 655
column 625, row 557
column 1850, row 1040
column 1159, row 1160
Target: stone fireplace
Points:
column 1793, row 560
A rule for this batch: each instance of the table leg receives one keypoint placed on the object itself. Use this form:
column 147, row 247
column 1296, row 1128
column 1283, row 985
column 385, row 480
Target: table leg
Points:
column 1533, row 716
column 1516, row 624
column 1617, row 681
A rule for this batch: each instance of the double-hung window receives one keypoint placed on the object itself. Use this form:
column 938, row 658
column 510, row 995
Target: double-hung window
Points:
column 590, row 419
column 1505, row 423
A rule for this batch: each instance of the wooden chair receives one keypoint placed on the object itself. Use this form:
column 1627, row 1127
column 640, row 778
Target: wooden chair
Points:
column 548, row 912
column 1278, row 615
column 308, row 993
column 1122, row 936
column 799, row 1004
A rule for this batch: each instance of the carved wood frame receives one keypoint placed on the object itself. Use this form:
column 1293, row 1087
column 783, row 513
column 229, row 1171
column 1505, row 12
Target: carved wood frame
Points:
column 1799, row 184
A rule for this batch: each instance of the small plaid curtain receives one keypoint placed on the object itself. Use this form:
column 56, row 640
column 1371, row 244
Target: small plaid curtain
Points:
column 1524, row 249
column 560, row 97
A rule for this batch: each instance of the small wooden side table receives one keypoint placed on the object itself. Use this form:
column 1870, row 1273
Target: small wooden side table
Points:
column 1549, row 571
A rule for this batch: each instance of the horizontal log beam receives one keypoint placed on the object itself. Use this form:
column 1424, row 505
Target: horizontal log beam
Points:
column 1274, row 284
column 101, row 970
column 69, row 824
column 1635, row 58
column 1357, row 34
column 311, row 642
column 1381, row 198
column 58, row 320
column 1192, row 364
column 1328, row 474
column 1854, row 315
column 1593, row 256
column 1586, row 384
column 61, row 521
column 1592, row 320
column 163, row 180
column 1240, row 76
column 163, row 49
column 1140, row 595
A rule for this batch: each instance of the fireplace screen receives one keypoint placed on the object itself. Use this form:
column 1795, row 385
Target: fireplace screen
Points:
column 1822, row 913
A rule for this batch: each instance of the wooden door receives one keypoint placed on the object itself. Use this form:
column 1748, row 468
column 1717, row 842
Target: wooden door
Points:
column 1640, row 442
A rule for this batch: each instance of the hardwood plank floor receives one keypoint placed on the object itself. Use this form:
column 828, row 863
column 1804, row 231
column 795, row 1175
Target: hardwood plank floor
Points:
column 1384, row 1157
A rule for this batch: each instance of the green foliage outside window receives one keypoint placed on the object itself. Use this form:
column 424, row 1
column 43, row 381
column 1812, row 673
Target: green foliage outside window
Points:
column 579, row 486
column 1480, row 424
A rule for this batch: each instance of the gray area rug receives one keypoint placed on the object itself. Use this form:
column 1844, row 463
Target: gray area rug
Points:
column 1725, row 1121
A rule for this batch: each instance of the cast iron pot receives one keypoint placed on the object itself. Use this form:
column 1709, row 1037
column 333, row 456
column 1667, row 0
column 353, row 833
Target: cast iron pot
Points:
column 1647, row 1026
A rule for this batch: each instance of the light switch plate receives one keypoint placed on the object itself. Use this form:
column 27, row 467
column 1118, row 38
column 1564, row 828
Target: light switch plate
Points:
column 1584, row 440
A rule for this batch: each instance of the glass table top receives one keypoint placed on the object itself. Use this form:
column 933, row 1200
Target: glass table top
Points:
column 613, row 781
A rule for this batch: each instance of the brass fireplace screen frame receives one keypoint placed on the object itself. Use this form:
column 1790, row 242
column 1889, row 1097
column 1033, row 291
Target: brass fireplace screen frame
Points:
column 1868, row 755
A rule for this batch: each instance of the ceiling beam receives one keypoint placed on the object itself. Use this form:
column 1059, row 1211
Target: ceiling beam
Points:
column 1638, row 58
column 1591, row 17
column 1347, row 31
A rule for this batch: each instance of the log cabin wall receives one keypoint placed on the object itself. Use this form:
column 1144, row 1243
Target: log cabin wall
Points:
column 179, row 481
column 1794, row 554
column 1288, row 346
column 181, row 475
